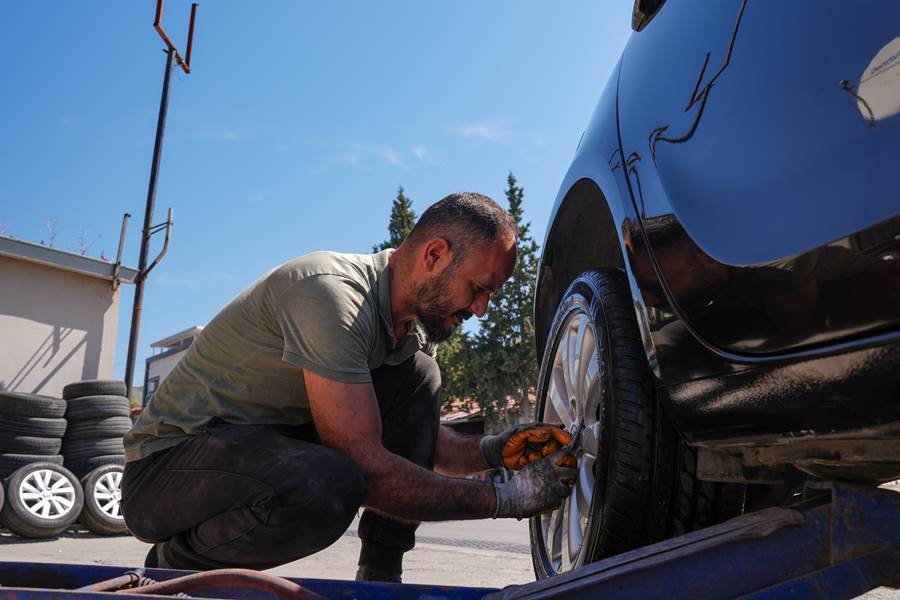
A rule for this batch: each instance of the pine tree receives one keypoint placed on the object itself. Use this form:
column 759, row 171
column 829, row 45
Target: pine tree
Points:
column 403, row 218
column 506, row 367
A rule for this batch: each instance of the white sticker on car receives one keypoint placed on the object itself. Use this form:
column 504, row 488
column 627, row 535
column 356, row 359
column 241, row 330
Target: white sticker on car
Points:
column 878, row 95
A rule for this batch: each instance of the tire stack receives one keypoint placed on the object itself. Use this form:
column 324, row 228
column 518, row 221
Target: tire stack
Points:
column 42, row 498
column 98, row 414
column 31, row 430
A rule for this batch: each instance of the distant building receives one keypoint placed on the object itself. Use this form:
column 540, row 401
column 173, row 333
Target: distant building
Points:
column 463, row 417
column 58, row 317
column 171, row 349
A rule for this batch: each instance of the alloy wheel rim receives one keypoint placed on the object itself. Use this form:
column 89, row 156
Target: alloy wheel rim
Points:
column 572, row 400
column 47, row 494
column 108, row 494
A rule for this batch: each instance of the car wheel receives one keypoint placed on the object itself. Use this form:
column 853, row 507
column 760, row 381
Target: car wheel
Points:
column 102, row 512
column 636, row 481
column 42, row 500
column 593, row 377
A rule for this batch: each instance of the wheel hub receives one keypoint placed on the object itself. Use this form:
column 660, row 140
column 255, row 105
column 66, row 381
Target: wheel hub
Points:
column 572, row 400
column 108, row 494
column 47, row 494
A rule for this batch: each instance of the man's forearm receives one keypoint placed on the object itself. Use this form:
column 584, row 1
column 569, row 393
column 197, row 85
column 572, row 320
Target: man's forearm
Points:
column 457, row 454
column 402, row 489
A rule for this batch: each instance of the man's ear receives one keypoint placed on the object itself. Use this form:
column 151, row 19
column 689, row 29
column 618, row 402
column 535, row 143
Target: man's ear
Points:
column 437, row 254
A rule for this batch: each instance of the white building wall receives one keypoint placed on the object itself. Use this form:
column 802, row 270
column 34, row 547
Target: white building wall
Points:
column 56, row 327
column 159, row 369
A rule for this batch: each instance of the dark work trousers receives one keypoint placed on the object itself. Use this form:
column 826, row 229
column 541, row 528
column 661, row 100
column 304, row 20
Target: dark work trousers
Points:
column 259, row 496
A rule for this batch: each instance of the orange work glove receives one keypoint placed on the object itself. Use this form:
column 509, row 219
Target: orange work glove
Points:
column 531, row 445
column 525, row 444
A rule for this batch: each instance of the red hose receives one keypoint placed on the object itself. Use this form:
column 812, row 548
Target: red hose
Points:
column 230, row 577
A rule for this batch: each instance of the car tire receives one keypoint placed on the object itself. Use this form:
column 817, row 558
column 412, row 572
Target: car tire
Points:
column 84, row 466
column 86, row 448
column 97, row 407
column 102, row 511
column 94, row 387
column 632, row 465
column 33, row 426
column 28, row 514
column 26, row 444
column 104, row 427
column 698, row 504
column 31, row 405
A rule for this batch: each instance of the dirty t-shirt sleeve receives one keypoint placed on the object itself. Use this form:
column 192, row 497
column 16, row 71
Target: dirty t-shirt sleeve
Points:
column 327, row 325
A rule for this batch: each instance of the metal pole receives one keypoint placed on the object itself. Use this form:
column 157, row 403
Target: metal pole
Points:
column 148, row 222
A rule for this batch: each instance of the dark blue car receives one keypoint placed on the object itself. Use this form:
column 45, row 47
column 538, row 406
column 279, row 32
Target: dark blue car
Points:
column 718, row 303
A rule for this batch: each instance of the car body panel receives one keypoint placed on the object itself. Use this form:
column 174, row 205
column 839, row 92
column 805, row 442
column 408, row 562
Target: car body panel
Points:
column 742, row 369
column 768, row 199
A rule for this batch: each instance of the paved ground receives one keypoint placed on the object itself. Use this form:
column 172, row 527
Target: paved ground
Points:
column 473, row 553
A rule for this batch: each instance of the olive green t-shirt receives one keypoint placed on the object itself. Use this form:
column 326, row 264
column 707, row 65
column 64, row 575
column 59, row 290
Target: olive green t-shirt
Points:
column 325, row 312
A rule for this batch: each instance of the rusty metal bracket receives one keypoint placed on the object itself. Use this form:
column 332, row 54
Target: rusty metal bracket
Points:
column 185, row 62
column 167, row 226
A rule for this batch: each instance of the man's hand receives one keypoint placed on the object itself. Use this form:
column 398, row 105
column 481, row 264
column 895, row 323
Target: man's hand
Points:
column 522, row 444
column 537, row 488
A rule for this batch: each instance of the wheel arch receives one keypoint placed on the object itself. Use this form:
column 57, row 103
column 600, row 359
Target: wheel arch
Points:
column 583, row 214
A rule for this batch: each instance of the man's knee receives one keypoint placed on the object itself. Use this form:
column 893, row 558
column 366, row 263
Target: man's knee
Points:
column 316, row 513
column 140, row 521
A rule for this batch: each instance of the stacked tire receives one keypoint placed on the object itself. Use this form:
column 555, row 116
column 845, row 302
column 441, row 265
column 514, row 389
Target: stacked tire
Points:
column 42, row 498
column 98, row 415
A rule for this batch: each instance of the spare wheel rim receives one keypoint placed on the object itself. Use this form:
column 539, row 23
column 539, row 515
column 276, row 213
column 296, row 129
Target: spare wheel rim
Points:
column 108, row 494
column 47, row 494
column 572, row 399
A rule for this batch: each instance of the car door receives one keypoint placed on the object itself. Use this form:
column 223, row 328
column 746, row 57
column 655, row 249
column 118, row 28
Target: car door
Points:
column 762, row 144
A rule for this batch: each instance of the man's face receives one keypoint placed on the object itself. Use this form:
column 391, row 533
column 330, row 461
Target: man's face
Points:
column 463, row 288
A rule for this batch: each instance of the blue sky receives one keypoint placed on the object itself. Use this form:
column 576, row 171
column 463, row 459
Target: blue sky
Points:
column 293, row 131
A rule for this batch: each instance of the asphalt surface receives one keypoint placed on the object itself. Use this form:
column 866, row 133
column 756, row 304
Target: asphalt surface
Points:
column 487, row 553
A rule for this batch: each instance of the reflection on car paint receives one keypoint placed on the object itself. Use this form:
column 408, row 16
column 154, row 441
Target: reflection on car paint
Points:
column 850, row 287
column 698, row 95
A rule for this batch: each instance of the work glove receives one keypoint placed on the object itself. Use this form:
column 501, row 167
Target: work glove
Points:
column 523, row 444
column 536, row 488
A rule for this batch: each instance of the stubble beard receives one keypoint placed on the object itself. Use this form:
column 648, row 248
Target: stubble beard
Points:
column 433, row 306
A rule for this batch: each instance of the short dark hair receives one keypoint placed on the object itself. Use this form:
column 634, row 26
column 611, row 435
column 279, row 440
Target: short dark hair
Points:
column 466, row 220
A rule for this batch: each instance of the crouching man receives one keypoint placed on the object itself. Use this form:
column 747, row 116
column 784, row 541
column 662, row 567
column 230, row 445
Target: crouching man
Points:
column 314, row 393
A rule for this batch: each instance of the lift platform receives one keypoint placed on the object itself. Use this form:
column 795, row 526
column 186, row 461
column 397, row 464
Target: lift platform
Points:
column 842, row 542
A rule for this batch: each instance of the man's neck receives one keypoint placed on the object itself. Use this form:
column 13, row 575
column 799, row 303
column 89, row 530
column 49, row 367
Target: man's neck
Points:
column 401, row 313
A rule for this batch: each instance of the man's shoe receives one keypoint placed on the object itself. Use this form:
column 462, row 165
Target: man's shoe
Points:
column 155, row 559
column 151, row 561
column 365, row 573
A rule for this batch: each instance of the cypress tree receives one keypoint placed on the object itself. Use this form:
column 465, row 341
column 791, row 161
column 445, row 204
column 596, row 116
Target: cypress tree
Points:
column 403, row 218
column 506, row 366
